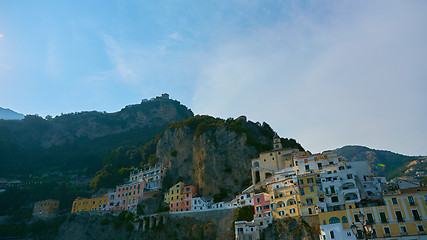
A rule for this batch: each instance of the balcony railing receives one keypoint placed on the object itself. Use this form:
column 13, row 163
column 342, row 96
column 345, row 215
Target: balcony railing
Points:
column 422, row 233
column 404, row 234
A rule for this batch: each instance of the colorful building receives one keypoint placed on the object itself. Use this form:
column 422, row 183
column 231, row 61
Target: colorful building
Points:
column 175, row 193
column 186, row 200
column 128, row 196
column 45, row 208
column 262, row 205
column 401, row 215
column 90, row 204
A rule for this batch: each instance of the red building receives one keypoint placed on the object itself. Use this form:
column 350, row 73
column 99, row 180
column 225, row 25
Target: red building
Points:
column 262, row 205
column 185, row 204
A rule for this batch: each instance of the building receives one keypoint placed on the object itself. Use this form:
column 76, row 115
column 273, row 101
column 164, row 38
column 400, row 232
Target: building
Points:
column 187, row 197
column 247, row 230
column 401, row 215
column 127, row 196
column 90, row 204
column 152, row 177
column 175, row 193
column 45, row 208
column 272, row 161
column 262, row 205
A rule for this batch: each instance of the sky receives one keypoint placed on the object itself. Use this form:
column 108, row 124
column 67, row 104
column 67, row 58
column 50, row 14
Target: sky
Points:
column 326, row 73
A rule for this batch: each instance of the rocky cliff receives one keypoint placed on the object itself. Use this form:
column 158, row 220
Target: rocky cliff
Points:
column 213, row 154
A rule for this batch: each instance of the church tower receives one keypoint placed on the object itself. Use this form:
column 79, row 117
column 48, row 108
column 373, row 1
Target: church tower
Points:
column 277, row 144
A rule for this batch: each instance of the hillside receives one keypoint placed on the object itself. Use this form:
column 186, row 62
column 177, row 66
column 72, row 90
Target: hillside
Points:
column 7, row 114
column 395, row 164
column 214, row 154
column 80, row 140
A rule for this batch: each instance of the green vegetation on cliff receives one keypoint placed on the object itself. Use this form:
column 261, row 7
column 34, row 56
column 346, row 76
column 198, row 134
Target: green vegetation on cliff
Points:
column 395, row 164
column 80, row 140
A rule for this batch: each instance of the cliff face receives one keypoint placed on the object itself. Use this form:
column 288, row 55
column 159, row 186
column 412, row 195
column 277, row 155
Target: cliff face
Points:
column 217, row 160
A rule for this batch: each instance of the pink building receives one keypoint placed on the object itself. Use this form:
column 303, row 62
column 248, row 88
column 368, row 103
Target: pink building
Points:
column 262, row 205
column 185, row 204
column 127, row 196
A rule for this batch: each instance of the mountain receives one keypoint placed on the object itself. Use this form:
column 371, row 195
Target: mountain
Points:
column 214, row 154
column 7, row 114
column 395, row 164
column 79, row 141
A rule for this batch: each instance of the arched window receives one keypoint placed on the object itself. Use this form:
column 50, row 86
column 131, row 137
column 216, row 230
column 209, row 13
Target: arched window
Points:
column 333, row 220
column 257, row 177
column 344, row 219
column 256, row 164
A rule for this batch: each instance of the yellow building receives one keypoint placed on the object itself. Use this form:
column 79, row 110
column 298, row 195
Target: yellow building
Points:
column 89, row 204
column 45, row 208
column 284, row 196
column 403, row 213
column 308, row 194
column 272, row 161
column 175, row 193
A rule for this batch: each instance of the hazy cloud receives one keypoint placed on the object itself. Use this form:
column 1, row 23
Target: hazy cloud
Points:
column 356, row 76
column 53, row 60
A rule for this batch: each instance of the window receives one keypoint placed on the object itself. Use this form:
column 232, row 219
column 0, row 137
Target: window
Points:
column 374, row 233
column 266, row 206
column 307, row 167
column 399, row 216
column 370, row 218
column 383, row 217
column 394, row 200
column 420, row 228
column 292, row 210
column 386, row 230
column 333, row 220
column 281, row 213
column 332, row 189
column 302, row 191
column 310, row 211
column 416, row 215
column 300, row 181
column 356, row 218
column 332, row 234
column 258, row 200
column 403, row 229
column 309, row 201
column 311, row 189
column 334, row 199
column 344, row 219
column 319, row 166
column 310, row 180
column 411, row 200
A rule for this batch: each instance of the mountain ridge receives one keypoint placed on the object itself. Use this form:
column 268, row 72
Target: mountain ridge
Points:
column 382, row 162
column 8, row 114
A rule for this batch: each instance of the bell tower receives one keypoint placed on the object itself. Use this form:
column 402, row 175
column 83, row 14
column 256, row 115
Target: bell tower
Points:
column 277, row 144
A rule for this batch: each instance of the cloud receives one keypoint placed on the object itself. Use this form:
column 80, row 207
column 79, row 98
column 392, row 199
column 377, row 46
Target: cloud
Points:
column 353, row 73
column 127, row 67
column 53, row 66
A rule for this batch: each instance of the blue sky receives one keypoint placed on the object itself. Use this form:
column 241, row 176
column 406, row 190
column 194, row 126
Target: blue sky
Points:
column 328, row 73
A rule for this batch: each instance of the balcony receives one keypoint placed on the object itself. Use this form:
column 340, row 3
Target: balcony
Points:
column 421, row 233
column 387, row 235
column 404, row 234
